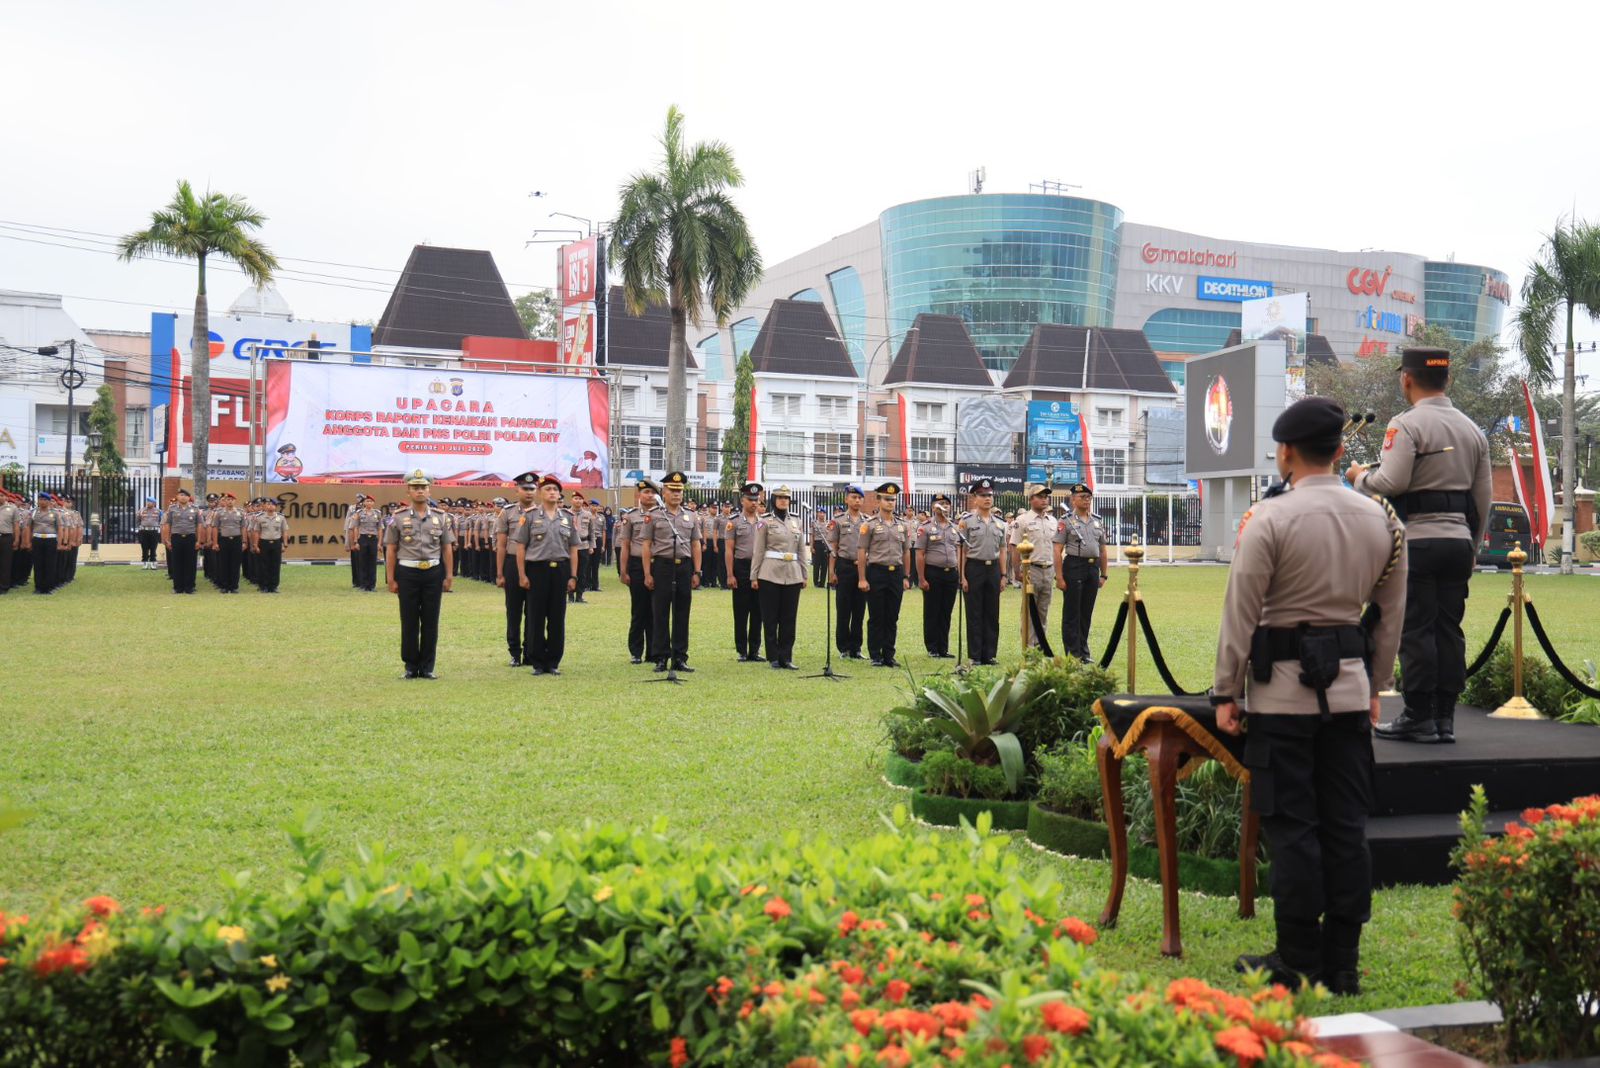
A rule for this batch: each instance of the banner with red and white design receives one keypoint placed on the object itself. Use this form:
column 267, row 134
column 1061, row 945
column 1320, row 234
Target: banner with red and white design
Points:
column 1537, row 498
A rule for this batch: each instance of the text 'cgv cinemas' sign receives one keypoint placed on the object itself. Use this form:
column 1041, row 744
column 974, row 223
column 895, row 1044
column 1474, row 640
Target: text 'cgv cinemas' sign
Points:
column 1365, row 283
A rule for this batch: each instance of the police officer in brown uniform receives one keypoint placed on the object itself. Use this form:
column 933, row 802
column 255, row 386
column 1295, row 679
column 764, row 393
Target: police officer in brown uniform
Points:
column 670, row 549
column 368, row 526
column 419, row 552
column 1037, row 527
column 1082, row 559
column 883, row 559
column 630, row 528
column 938, row 573
column 179, row 530
column 10, row 516
column 266, row 541
column 507, row 575
column 583, row 520
column 1435, row 470
column 228, row 529
column 844, row 539
column 46, row 536
column 1305, row 563
column 739, row 546
column 778, row 575
column 983, row 552
column 546, row 543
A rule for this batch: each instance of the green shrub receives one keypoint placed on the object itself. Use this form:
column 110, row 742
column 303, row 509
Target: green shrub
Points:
column 950, row 775
column 1061, row 697
column 913, row 736
column 1590, row 540
column 1069, row 778
column 1544, row 689
column 1528, row 903
column 1210, row 809
column 980, row 717
column 609, row 947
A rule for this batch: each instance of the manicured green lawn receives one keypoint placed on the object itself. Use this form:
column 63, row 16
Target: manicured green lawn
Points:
column 157, row 740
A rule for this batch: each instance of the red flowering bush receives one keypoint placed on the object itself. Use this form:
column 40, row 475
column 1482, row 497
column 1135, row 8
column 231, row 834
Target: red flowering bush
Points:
column 1529, row 906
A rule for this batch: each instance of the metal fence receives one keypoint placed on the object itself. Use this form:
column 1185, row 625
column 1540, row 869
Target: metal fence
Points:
column 117, row 500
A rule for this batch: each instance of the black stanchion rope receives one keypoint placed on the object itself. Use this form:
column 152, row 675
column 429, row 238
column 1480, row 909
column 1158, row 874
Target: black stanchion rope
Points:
column 1116, row 636
column 1160, row 661
column 1038, row 627
column 1494, row 640
column 1555, row 661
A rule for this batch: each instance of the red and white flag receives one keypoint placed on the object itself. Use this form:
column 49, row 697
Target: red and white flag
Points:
column 905, row 447
column 752, row 457
column 1536, row 495
column 1088, row 454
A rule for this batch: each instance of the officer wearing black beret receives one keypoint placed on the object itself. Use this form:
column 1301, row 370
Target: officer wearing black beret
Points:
column 1295, row 651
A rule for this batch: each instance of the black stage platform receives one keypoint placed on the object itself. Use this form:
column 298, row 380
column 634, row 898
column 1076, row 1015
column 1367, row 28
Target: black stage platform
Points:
column 1421, row 789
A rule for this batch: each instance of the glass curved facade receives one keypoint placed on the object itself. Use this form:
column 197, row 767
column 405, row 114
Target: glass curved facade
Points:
column 1002, row 262
column 808, row 294
column 744, row 332
column 850, row 308
column 1468, row 300
column 709, row 355
column 1188, row 330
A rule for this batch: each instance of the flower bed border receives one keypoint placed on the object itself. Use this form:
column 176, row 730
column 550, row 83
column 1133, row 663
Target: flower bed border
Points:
column 1076, row 837
column 949, row 811
column 902, row 771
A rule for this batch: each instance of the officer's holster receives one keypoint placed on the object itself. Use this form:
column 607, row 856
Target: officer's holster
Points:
column 1318, row 650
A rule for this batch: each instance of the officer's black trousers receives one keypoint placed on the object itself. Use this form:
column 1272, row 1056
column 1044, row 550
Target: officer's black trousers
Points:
column 547, row 612
column 819, row 564
column 1082, row 575
column 181, row 557
column 583, row 569
column 6, row 554
column 148, row 540
column 938, row 602
column 983, row 609
column 1311, row 781
column 641, row 613
column 516, row 609
column 780, row 604
column 592, row 575
column 1433, row 652
column 748, row 609
column 69, row 565
column 367, row 561
column 45, row 562
column 673, row 595
column 228, row 549
column 852, row 607
column 21, row 566
column 272, row 564
column 355, row 560
column 420, row 594
column 886, row 587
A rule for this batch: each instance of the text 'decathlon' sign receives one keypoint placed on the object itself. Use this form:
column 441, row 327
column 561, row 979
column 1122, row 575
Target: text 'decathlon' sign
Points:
column 1231, row 289
column 340, row 422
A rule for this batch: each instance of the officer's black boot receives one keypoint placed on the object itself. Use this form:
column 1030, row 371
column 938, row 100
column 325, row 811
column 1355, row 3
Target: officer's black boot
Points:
column 1296, row 961
column 1444, row 716
column 1341, row 958
column 1415, row 723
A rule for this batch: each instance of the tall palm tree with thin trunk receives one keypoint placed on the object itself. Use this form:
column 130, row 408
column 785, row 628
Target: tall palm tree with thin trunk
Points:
column 196, row 228
column 681, row 241
column 1563, row 278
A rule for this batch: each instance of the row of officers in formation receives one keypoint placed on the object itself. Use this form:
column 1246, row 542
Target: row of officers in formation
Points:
column 38, row 539
column 219, row 539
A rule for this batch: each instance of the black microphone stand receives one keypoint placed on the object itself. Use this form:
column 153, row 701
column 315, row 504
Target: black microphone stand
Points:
column 827, row 671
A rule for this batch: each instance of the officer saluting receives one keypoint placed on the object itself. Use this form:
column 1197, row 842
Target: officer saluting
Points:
column 938, row 557
column 1304, row 565
column 419, row 552
column 546, row 542
column 670, row 549
column 884, row 561
column 778, row 574
column 983, row 551
column 1435, row 470
column 1079, row 545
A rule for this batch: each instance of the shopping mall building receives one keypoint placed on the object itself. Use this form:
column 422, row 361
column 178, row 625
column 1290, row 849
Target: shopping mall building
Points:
column 1004, row 263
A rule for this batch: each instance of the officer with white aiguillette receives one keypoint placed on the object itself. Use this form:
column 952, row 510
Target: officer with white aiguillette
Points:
column 546, row 542
column 883, row 559
column 670, row 549
column 1082, row 559
column 778, row 574
column 419, row 553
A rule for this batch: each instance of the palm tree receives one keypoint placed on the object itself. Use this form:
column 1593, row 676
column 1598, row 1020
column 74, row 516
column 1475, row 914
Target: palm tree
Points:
column 1565, row 276
column 680, row 240
column 194, row 228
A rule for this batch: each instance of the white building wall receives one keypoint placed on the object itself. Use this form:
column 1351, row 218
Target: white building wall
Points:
column 30, row 386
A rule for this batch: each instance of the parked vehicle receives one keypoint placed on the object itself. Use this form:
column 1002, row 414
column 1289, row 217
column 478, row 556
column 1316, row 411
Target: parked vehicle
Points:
column 1508, row 525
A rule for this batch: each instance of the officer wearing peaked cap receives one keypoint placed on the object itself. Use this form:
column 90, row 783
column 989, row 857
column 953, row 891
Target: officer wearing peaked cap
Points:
column 1435, row 470
column 419, row 551
column 546, row 544
column 671, row 550
column 1079, row 546
column 1305, row 563
column 983, row 567
column 844, row 542
column 739, row 545
column 778, row 574
column 631, row 527
column 883, row 560
column 507, row 575
column 938, row 560
column 1037, row 527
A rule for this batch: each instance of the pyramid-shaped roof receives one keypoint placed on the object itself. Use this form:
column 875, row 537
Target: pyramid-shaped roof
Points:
column 799, row 338
column 1120, row 361
column 445, row 295
column 1318, row 348
column 938, row 351
column 639, row 340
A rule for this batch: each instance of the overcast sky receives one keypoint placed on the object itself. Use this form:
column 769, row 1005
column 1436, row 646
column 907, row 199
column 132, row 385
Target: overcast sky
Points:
column 361, row 129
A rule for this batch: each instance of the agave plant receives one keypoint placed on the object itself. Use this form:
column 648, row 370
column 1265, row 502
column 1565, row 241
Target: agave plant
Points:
column 981, row 721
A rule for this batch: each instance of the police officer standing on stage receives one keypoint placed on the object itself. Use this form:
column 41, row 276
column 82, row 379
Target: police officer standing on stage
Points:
column 1082, row 560
column 419, row 551
column 507, row 575
column 630, row 528
column 739, row 545
column 1435, row 471
column 1305, row 563
column 1037, row 527
column 778, row 575
column 844, row 539
column 179, row 529
column 545, row 541
column 938, row 562
column 983, row 561
column 883, row 559
column 670, row 548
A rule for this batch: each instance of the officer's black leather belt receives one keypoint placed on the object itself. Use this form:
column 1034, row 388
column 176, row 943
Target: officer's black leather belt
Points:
column 1283, row 643
column 1428, row 502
